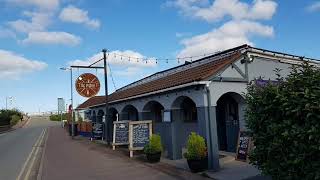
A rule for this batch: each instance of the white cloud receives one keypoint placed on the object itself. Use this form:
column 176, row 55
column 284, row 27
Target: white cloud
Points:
column 12, row 65
column 42, row 4
column 120, row 61
column 314, row 7
column 231, row 34
column 52, row 38
column 7, row 33
column 219, row 9
column 79, row 16
column 39, row 22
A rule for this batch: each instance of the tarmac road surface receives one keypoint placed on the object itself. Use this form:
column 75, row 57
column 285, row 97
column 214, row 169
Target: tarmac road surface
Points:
column 19, row 148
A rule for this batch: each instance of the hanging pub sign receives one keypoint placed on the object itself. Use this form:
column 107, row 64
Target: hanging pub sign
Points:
column 120, row 133
column 244, row 146
column 139, row 135
column 87, row 85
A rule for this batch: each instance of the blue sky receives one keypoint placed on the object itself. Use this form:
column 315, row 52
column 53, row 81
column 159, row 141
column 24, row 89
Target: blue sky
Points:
column 38, row 37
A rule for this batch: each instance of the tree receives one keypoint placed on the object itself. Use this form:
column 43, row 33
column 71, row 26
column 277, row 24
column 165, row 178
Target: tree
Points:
column 284, row 118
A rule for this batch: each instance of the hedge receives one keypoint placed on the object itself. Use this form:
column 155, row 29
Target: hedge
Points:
column 284, row 118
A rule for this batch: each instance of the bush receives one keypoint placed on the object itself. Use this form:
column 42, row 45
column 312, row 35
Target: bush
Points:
column 57, row 117
column 6, row 116
column 285, row 121
column 154, row 145
column 196, row 147
column 14, row 120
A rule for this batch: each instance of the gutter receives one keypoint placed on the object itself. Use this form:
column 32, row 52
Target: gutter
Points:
column 157, row 92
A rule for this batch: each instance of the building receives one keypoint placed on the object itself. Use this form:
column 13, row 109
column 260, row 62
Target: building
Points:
column 205, row 96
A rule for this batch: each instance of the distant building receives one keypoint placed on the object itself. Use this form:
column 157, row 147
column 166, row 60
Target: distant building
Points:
column 204, row 96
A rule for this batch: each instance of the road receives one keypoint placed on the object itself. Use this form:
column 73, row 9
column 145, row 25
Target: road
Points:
column 18, row 148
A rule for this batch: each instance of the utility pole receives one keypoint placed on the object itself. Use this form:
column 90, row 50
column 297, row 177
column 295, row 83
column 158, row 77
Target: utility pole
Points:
column 72, row 121
column 107, row 128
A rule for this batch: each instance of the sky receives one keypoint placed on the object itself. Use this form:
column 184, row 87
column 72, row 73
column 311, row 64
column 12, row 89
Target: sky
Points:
column 38, row 37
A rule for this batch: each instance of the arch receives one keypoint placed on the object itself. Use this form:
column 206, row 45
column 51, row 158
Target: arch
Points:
column 100, row 115
column 184, row 117
column 186, row 107
column 112, row 116
column 229, row 113
column 153, row 110
column 129, row 112
column 93, row 116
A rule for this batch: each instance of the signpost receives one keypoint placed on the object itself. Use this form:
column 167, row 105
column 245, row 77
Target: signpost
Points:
column 120, row 133
column 61, row 107
column 89, row 85
column 244, row 146
column 139, row 135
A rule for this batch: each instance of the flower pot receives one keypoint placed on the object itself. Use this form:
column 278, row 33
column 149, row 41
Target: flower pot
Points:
column 197, row 165
column 154, row 157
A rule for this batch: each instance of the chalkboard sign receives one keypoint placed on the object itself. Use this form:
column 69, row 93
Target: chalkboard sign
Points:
column 120, row 133
column 244, row 146
column 139, row 135
column 97, row 130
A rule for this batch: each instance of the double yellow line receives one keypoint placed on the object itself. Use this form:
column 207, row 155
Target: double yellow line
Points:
column 31, row 157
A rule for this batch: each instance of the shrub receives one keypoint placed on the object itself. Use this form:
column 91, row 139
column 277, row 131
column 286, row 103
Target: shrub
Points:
column 14, row 120
column 196, row 147
column 57, row 117
column 154, row 145
column 285, row 121
column 6, row 115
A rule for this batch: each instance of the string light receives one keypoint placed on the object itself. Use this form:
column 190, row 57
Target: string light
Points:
column 143, row 59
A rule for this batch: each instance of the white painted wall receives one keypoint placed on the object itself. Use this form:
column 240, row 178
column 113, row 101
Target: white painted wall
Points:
column 262, row 67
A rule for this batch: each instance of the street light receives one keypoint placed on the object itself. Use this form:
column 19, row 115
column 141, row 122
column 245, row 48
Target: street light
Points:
column 71, row 91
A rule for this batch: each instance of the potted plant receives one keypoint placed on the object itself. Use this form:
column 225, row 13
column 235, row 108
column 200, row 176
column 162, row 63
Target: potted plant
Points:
column 153, row 149
column 196, row 154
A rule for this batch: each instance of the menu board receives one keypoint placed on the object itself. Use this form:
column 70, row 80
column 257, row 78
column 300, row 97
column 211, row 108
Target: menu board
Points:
column 120, row 132
column 244, row 146
column 97, row 130
column 139, row 135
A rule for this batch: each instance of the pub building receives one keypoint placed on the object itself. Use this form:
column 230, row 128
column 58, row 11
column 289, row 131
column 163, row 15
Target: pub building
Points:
column 205, row 96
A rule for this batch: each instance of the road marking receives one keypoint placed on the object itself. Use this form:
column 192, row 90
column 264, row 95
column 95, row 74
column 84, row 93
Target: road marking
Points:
column 26, row 177
column 29, row 156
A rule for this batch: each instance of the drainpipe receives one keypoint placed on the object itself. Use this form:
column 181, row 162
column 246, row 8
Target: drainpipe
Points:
column 213, row 163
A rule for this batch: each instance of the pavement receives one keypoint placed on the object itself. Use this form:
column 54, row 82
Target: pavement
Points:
column 42, row 150
column 20, row 147
column 231, row 169
column 81, row 159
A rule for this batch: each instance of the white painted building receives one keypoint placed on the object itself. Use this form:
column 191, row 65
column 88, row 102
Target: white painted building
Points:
column 204, row 96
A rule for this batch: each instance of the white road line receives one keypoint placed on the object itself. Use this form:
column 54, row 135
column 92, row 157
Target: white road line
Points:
column 29, row 157
column 26, row 177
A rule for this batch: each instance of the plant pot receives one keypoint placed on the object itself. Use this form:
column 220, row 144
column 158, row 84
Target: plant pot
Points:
column 197, row 165
column 154, row 157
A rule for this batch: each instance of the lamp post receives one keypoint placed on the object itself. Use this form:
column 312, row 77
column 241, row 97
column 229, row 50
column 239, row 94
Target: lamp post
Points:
column 71, row 93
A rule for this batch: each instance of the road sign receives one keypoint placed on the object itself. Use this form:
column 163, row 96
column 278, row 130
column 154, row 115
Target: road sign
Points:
column 61, row 105
column 87, row 85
